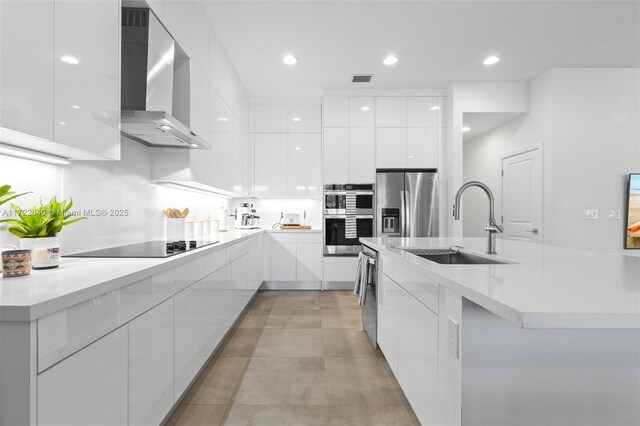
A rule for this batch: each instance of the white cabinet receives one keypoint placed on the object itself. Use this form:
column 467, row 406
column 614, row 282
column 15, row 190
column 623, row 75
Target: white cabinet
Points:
column 418, row 357
column 309, row 262
column 199, row 28
column 422, row 147
column 388, row 317
column 199, row 99
column 239, row 152
column 338, row 268
column 283, row 261
column 89, row 387
column 391, row 111
column 150, row 365
column 190, row 313
column 216, row 322
column 177, row 18
column 336, row 154
column 361, row 111
column 304, row 165
column 423, row 111
column 270, row 118
column 391, row 148
column 361, row 155
column 335, row 111
column 26, row 67
column 271, row 168
column 305, row 118
column 87, row 76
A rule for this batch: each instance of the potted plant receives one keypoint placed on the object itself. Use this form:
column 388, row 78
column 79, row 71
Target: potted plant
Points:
column 38, row 230
column 6, row 194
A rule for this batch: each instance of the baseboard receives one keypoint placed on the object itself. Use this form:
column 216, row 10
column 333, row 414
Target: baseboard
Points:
column 337, row 285
column 291, row 285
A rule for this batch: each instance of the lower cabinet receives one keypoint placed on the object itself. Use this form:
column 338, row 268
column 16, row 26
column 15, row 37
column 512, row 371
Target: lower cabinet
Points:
column 388, row 294
column 296, row 257
column 151, row 365
column 418, row 356
column 89, row 387
column 216, row 321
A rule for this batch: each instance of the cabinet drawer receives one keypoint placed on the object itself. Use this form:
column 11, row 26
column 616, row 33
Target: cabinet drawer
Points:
column 215, row 261
column 240, row 249
column 297, row 237
column 413, row 280
column 190, row 272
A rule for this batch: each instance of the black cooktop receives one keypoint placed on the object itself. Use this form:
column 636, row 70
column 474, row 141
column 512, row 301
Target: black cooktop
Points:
column 147, row 249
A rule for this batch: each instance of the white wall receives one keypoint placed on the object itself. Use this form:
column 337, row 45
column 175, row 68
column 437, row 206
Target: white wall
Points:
column 270, row 209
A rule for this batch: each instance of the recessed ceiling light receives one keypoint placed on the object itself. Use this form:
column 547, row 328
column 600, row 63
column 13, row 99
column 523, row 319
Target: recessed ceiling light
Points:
column 70, row 60
column 297, row 119
column 491, row 60
column 365, row 108
column 195, row 145
column 466, row 129
column 290, row 60
column 75, row 106
column 435, row 108
column 390, row 60
column 165, row 127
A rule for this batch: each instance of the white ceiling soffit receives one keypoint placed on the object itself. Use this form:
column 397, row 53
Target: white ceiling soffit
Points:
column 436, row 42
column 482, row 122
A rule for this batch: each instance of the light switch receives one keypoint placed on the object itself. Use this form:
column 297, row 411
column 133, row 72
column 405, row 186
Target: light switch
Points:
column 591, row 214
column 453, row 338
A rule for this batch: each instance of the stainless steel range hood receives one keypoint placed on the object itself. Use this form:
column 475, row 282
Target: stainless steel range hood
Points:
column 155, row 84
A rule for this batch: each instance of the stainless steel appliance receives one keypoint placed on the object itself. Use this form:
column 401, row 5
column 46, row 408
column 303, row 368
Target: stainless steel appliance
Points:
column 337, row 240
column 370, row 306
column 407, row 203
column 247, row 217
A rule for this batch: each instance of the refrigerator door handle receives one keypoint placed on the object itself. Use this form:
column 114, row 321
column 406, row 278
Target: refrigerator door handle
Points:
column 403, row 213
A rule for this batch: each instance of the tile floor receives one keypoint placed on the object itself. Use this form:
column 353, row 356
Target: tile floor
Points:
column 297, row 358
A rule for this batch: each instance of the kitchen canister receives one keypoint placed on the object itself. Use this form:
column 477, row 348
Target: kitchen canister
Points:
column 214, row 226
column 45, row 251
column 190, row 230
column 206, row 228
column 16, row 263
column 197, row 229
column 175, row 229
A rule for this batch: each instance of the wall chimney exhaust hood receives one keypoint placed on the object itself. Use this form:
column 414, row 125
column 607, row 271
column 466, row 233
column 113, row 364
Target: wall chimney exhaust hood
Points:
column 155, row 84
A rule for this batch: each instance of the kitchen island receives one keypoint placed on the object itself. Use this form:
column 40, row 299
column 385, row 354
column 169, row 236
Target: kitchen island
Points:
column 550, row 336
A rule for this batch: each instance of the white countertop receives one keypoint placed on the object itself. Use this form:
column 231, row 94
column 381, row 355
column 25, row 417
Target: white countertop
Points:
column 546, row 287
column 79, row 279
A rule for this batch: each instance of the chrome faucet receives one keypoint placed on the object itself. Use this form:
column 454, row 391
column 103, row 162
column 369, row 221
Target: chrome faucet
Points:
column 492, row 227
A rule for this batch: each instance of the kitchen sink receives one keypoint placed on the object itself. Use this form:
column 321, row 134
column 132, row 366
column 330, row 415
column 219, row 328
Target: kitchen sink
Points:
column 454, row 257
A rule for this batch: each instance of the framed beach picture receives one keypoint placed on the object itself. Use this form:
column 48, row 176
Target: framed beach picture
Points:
column 633, row 213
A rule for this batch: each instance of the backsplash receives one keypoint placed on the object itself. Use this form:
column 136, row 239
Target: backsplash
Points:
column 122, row 202
column 269, row 209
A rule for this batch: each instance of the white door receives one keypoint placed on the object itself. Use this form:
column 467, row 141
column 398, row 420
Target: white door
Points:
column 522, row 196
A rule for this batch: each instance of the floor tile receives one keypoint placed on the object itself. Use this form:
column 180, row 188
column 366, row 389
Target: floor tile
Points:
column 293, row 318
column 367, row 415
column 283, row 381
column 289, row 343
column 263, row 300
column 240, row 342
column 338, row 299
column 347, row 343
column 217, row 382
column 281, row 415
column 298, row 299
column 253, row 318
column 197, row 415
column 360, row 381
column 341, row 318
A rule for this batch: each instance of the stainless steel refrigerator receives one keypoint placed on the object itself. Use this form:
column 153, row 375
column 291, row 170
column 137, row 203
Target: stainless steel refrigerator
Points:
column 407, row 203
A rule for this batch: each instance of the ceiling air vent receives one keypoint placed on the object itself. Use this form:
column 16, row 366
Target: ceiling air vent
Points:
column 362, row 78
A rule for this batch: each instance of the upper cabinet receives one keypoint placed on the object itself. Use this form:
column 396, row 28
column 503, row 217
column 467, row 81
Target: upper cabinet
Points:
column 423, row 111
column 270, row 119
column 336, row 111
column 391, row 111
column 60, row 77
column 305, row 118
column 361, row 111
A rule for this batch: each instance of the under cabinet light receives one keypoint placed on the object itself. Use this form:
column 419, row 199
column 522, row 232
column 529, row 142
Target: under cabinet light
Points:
column 14, row 151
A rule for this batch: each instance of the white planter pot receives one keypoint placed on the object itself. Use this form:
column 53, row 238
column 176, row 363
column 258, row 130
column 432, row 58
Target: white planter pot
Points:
column 45, row 252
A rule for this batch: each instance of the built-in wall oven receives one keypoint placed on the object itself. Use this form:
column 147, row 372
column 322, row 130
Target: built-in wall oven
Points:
column 338, row 241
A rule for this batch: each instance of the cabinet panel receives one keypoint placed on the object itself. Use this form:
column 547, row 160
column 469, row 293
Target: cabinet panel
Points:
column 362, row 168
column 418, row 357
column 422, row 147
column 309, row 262
column 335, row 111
column 89, row 387
column 283, row 261
column 199, row 100
column 26, row 67
column 216, row 324
column 340, row 268
column 271, row 170
column 304, row 169
column 87, row 76
column 361, row 111
column 270, row 118
column 391, row 148
column 305, row 118
column 190, row 312
column 178, row 16
column 391, row 111
column 199, row 27
column 151, row 365
column 336, row 155
column 422, row 111
column 388, row 295
column 239, row 141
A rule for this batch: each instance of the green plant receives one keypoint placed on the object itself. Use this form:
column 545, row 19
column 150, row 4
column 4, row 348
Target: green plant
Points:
column 7, row 195
column 43, row 221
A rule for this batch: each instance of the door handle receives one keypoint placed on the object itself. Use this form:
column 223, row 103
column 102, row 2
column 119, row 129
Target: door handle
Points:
column 533, row 231
column 403, row 224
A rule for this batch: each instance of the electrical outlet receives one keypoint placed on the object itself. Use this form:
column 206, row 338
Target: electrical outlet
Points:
column 453, row 337
column 614, row 214
column 591, row 214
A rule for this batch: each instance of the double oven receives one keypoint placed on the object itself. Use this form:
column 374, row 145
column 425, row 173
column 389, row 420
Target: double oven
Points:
column 337, row 241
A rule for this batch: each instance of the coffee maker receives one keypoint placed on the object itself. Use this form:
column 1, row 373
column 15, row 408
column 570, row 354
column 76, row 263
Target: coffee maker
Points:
column 247, row 217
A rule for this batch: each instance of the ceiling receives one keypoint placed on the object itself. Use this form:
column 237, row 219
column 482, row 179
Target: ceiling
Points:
column 436, row 42
column 481, row 122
